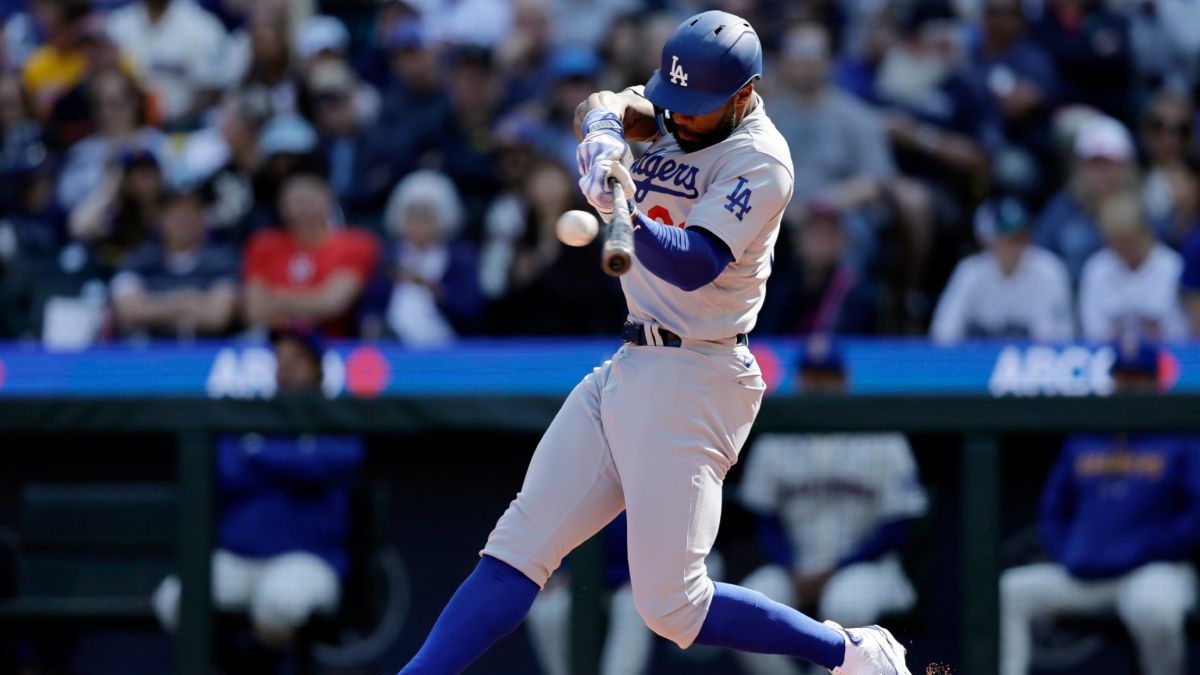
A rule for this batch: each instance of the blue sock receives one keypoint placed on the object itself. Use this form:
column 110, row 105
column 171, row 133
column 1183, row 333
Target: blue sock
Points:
column 749, row 621
column 490, row 604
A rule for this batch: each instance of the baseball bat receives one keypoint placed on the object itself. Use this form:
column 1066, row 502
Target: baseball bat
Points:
column 617, row 257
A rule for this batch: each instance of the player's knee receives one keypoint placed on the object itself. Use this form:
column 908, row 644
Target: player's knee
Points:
column 1145, row 615
column 166, row 602
column 1018, row 590
column 669, row 615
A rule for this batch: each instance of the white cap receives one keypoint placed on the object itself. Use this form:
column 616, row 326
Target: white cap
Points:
column 1102, row 137
column 321, row 33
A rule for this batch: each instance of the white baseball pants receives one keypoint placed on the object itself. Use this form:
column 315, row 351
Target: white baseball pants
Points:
column 652, row 431
column 855, row 596
column 1152, row 601
column 280, row 594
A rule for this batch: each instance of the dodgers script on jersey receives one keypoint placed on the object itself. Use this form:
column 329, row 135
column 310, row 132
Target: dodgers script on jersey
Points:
column 737, row 189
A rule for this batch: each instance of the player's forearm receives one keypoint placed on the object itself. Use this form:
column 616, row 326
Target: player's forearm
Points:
column 686, row 258
column 216, row 311
column 324, row 302
column 163, row 311
column 636, row 113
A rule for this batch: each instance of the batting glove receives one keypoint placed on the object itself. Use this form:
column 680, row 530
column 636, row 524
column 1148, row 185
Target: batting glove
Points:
column 603, row 138
column 594, row 185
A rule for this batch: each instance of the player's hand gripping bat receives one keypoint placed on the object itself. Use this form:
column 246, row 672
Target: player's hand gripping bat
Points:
column 617, row 256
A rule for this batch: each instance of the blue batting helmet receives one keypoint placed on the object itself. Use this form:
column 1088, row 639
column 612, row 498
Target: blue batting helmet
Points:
column 706, row 61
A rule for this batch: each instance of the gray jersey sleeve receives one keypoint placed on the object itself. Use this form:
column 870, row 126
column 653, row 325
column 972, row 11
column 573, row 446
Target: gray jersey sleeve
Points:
column 748, row 194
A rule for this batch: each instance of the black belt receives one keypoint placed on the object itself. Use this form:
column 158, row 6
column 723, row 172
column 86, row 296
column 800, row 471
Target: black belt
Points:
column 634, row 333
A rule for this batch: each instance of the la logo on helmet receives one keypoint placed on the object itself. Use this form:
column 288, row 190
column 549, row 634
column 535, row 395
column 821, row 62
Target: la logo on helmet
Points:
column 677, row 75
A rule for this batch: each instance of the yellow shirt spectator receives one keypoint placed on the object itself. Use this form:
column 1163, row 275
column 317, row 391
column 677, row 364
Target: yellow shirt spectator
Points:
column 50, row 72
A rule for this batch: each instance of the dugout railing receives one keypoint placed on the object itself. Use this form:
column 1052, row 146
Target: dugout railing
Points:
column 979, row 420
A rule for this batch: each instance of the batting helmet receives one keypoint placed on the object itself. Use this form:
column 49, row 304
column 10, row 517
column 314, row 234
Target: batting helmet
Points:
column 706, row 61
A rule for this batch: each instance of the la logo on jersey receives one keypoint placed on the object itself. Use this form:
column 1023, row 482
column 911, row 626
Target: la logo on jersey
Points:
column 677, row 75
column 739, row 199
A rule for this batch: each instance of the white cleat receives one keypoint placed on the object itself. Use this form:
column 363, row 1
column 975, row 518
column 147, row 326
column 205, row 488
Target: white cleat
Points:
column 870, row 650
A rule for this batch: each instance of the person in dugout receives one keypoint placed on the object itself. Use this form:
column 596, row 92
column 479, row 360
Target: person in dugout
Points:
column 1120, row 519
column 283, row 519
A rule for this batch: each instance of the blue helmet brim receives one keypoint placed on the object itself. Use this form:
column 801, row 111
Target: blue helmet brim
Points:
column 663, row 94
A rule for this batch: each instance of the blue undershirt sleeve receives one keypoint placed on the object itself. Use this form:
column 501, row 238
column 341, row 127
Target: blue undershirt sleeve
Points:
column 688, row 258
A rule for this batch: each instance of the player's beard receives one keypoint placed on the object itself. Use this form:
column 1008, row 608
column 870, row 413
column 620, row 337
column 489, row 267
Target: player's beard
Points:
column 721, row 132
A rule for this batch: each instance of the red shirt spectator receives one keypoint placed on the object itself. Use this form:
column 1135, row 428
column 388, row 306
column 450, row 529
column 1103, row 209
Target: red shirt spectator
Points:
column 307, row 269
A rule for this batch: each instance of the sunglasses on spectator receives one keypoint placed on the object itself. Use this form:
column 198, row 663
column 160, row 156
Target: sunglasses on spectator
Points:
column 1157, row 125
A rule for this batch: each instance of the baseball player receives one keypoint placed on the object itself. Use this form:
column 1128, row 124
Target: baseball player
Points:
column 654, row 430
column 829, row 529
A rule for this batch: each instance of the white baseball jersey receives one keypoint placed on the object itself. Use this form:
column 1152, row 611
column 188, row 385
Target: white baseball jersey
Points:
column 1113, row 297
column 831, row 490
column 981, row 300
column 736, row 189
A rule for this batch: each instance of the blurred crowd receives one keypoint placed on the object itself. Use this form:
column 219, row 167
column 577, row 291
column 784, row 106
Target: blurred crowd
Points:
column 394, row 168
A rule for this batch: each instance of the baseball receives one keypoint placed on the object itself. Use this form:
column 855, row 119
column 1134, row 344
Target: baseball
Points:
column 576, row 228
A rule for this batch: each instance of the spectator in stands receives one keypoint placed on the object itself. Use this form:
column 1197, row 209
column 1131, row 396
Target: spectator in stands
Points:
column 1022, row 81
column 524, row 267
column 839, row 147
column 286, row 145
column 1103, row 165
column 813, row 290
column 325, row 41
column 364, row 163
column 59, row 63
column 525, row 53
column 284, row 514
column 177, row 286
column 830, row 532
column 1090, row 45
column 415, row 88
column 435, row 295
column 1169, row 186
column 941, row 124
column 118, row 107
column 123, row 210
column 322, row 38
column 310, row 269
column 371, row 54
column 1166, row 50
column 1133, row 283
column 1189, row 282
column 21, row 145
column 461, row 138
column 182, row 50
column 72, row 117
column 269, row 59
column 1120, row 518
column 1011, row 289
column 226, row 157
column 571, row 76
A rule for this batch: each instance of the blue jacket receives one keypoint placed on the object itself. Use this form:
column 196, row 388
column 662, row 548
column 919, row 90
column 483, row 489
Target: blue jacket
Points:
column 1115, row 503
column 286, row 494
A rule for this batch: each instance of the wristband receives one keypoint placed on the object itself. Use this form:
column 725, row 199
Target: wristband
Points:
column 600, row 119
